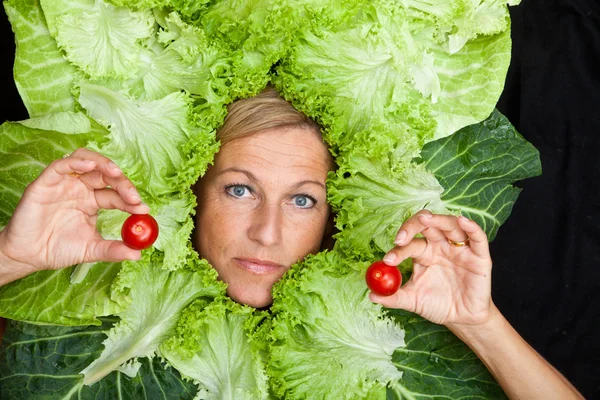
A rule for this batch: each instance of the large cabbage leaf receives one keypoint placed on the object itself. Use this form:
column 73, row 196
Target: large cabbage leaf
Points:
column 45, row 362
column 436, row 364
column 477, row 166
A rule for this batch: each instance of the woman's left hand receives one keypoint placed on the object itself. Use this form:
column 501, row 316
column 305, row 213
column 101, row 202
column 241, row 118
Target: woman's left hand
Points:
column 450, row 284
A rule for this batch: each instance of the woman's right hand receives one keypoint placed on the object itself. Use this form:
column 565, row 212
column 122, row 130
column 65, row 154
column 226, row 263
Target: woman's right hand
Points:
column 54, row 224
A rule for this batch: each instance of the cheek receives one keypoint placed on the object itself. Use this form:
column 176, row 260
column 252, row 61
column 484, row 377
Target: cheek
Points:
column 213, row 222
column 304, row 235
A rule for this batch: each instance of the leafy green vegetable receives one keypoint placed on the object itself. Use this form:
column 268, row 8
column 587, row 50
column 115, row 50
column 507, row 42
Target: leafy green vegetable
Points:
column 393, row 66
column 469, row 173
column 213, row 347
column 158, row 127
column 43, row 76
column 45, row 362
column 152, row 299
column 477, row 165
column 48, row 297
column 401, row 90
column 435, row 363
column 328, row 340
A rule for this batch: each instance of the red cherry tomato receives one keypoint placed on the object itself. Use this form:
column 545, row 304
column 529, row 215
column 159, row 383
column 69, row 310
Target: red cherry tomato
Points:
column 139, row 231
column 383, row 279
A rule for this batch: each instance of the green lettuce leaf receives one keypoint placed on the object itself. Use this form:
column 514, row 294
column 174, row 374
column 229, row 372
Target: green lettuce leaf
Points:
column 372, row 199
column 212, row 347
column 388, row 66
column 42, row 76
column 258, row 32
column 477, row 166
column 100, row 39
column 328, row 340
column 152, row 298
column 436, row 364
column 49, row 297
column 44, row 362
column 156, row 129
column 181, row 57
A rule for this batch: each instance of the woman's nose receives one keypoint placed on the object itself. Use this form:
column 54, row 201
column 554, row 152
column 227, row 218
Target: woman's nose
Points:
column 266, row 225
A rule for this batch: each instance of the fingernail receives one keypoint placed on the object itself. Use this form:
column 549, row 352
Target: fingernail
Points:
column 400, row 237
column 89, row 162
column 389, row 258
column 464, row 219
column 114, row 166
column 425, row 216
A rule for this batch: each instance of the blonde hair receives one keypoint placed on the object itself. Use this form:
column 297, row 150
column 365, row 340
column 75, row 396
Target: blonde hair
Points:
column 263, row 112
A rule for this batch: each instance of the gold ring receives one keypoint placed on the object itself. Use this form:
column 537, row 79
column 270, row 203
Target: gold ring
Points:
column 459, row 244
column 74, row 174
column 67, row 155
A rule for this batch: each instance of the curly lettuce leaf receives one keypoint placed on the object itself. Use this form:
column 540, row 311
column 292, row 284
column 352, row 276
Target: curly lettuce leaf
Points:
column 212, row 347
column 43, row 77
column 156, row 129
column 100, row 39
column 258, row 32
column 373, row 198
column 477, row 166
column 388, row 65
column 152, row 300
column 181, row 57
column 328, row 340
column 44, row 362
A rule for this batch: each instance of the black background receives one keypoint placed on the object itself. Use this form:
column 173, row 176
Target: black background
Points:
column 547, row 255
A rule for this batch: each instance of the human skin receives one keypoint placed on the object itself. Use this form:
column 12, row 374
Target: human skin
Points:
column 261, row 208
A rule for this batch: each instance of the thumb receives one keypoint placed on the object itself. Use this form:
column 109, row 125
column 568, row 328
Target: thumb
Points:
column 404, row 298
column 112, row 251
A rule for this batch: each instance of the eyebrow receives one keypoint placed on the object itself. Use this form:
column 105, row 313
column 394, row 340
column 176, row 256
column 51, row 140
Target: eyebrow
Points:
column 252, row 177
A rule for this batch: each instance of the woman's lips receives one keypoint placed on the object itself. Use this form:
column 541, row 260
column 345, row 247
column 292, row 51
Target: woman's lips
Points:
column 261, row 267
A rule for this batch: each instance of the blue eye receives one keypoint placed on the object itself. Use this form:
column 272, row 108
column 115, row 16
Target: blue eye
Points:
column 237, row 190
column 304, row 201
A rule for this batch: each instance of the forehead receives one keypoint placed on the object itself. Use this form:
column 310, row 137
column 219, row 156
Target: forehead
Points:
column 289, row 150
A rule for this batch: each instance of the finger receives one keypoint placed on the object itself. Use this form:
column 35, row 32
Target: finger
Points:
column 478, row 241
column 111, row 200
column 105, row 164
column 109, row 175
column 112, row 251
column 59, row 168
column 413, row 249
column 404, row 299
column 121, row 184
column 447, row 225
column 411, row 227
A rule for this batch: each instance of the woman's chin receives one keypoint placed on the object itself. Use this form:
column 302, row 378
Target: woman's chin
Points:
column 252, row 298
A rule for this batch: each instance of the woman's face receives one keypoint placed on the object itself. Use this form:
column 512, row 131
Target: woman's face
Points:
column 262, row 207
